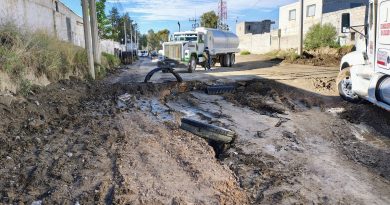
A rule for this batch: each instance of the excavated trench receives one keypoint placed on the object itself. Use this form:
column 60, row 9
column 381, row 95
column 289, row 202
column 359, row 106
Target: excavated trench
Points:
column 75, row 142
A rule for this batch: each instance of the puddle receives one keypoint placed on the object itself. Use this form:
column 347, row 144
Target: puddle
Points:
column 159, row 110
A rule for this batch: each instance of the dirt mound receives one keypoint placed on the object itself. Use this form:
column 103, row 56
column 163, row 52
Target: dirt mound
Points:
column 69, row 143
column 328, row 57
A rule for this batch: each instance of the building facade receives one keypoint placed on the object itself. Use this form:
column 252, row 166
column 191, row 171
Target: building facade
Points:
column 50, row 16
column 254, row 27
column 322, row 11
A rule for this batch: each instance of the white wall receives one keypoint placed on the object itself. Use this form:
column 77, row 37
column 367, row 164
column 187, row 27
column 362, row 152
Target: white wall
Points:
column 41, row 15
column 291, row 27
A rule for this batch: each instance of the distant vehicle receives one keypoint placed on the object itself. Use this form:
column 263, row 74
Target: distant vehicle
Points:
column 153, row 54
column 143, row 53
column 365, row 73
column 203, row 47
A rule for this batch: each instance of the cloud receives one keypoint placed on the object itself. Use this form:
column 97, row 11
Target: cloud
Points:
column 162, row 10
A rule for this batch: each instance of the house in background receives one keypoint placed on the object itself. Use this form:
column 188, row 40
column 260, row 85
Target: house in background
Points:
column 254, row 27
column 321, row 11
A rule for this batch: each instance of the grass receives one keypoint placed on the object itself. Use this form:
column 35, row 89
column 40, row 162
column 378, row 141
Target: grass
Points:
column 37, row 53
column 289, row 55
column 244, row 53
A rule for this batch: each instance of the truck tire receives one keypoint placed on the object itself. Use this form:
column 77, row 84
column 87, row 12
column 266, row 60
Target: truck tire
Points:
column 228, row 60
column 232, row 59
column 344, row 85
column 192, row 64
column 222, row 60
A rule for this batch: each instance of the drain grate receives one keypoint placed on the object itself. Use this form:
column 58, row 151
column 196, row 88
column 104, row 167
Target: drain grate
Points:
column 220, row 89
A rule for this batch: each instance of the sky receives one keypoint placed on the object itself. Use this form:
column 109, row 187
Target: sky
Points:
column 162, row 14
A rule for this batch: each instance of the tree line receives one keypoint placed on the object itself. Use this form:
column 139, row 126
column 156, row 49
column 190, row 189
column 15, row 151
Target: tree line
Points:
column 111, row 26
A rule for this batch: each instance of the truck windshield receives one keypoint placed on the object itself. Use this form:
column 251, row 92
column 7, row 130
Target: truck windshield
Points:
column 186, row 37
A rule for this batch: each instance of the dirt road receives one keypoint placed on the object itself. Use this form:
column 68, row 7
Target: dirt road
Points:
column 297, row 142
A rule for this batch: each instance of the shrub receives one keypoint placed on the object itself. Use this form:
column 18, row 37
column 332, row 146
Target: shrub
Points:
column 110, row 61
column 321, row 36
column 244, row 53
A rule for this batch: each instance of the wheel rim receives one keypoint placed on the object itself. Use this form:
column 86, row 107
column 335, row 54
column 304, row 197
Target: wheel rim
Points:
column 346, row 87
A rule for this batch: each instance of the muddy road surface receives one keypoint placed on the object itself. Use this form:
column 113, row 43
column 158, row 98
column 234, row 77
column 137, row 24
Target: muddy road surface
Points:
column 119, row 141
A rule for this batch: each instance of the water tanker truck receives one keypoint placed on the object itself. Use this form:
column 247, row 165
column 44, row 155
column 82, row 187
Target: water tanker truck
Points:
column 365, row 73
column 204, row 47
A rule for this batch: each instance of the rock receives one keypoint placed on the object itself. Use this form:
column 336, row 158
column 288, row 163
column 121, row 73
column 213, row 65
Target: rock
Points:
column 7, row 99
column 69, row 154
column 37, row 202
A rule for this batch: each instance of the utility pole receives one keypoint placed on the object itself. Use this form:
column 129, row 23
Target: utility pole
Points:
column 95, row 35
column 136, row 37
column 300, row 32
column 131, row 42
column 87, row 36
column 124, row 28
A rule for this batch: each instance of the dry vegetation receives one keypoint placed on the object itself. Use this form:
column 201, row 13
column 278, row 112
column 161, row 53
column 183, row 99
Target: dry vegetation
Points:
column 23, row 53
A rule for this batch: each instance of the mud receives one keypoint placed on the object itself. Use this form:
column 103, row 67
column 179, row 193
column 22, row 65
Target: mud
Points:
column 70, row 143
column 117, row 142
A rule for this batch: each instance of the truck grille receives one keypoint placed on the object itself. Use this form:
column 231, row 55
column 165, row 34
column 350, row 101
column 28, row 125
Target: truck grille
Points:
column 173, row 52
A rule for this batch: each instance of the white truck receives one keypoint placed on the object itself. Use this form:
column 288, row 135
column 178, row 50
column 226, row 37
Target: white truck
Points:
column 203, row 47
column 365, row 73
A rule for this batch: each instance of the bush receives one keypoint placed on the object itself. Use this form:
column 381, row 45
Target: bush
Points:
column 244, row 53
column 321, row 36
column 110, row 61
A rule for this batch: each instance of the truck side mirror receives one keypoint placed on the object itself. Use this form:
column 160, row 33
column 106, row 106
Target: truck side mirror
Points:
column 345, row 23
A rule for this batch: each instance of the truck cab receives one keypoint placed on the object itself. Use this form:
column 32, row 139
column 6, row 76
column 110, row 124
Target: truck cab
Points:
column 365, row 73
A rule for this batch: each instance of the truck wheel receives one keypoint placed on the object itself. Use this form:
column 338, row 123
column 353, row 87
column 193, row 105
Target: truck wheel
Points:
column 192, row 65
column 344, row 84
column 232, row 59
column 228, row 60
column 222, row 60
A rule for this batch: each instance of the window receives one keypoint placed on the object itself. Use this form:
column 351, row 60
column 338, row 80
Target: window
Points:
column 249, row 27
column 56, row 3
column 311, row 10
column 201, row 38
column 292, row 16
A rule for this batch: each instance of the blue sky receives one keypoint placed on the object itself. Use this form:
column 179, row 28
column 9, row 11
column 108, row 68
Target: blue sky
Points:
column 161, row 14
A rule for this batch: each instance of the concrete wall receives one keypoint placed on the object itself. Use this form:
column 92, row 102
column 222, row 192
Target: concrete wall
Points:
column 358, row 17
column 255, row 27
column 42, row 15
column 287, row 38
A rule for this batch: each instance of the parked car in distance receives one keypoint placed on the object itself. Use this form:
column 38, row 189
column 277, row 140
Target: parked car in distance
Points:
column 143, row 53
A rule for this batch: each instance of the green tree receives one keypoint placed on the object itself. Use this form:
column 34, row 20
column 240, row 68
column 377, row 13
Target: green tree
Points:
column 103, row 22
column 153, row 40
column 209, row 20
column 115, row 24
column 321, row 36
column 143, row 41
column 163, row 35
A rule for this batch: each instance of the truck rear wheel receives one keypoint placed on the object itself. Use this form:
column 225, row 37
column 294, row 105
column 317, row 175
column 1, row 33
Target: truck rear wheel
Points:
column 228, row 60
column 344, row 85
column 232, row 59
column 222, row 60
column 192, row 65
